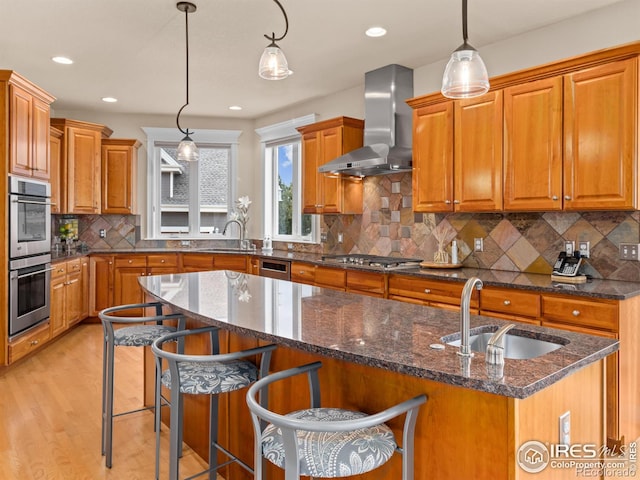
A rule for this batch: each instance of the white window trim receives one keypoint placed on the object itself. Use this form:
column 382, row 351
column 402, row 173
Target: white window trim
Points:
column 156, row 137
column 273, row 134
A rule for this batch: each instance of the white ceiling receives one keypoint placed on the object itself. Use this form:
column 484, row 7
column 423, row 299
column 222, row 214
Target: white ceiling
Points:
column 134, row 50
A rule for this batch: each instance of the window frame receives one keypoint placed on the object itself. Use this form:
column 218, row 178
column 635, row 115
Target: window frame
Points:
column 158, row 137
column 272, row 136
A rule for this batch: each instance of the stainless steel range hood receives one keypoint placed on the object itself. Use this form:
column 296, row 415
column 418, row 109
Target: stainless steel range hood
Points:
column 387, row 126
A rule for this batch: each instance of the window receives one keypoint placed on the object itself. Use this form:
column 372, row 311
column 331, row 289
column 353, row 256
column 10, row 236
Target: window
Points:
column 190, row 199
column 284, row 219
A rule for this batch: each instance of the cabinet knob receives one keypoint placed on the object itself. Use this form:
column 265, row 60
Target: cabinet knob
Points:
column 130, row 261
column 427, row 290
column 567, row 197
column 110, row 263
column 554, row 198
column 162, row 261
column 35, row 342
column 302, row 272
column 575, row 313
column 507, row 302
column 457, row 202
column 448, row 202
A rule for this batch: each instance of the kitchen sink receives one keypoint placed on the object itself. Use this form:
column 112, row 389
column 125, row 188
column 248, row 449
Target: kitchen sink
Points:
column 518, row 344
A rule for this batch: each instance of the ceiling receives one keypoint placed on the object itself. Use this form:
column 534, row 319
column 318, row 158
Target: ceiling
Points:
column 134, row 50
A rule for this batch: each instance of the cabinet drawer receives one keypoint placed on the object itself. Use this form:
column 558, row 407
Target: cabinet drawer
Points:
column 511, row 302
column 59, row 270
column 330, row 277
column 162, row 261
column 302, row 273
column 365, row 282
column 28, row 342
column 583, row 313
column 433, row 291
column 131, row 261
column 74, row 266
column 230, row 262
column 197, row 261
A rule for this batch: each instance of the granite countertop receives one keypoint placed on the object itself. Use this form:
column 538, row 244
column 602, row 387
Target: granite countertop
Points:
column 595, row 288
column 388, row 334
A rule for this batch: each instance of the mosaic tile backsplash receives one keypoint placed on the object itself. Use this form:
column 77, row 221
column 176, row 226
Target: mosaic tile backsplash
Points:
column 521, row 242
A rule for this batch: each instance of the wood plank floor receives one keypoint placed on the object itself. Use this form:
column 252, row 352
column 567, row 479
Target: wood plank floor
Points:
column 50, row 415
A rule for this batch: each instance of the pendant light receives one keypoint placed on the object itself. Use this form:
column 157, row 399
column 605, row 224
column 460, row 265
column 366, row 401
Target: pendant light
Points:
column 187, row 149
column 273, row 64
column 465, row 75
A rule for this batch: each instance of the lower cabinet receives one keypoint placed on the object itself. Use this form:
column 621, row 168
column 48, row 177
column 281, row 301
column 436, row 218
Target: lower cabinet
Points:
column 67, row 296
column 29, row 342
column 426, row 291
column 366, row 283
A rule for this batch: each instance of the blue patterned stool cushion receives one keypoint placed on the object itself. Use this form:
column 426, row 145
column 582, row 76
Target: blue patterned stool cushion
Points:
column 140, row 335
column 332, row 454
column 213, row 377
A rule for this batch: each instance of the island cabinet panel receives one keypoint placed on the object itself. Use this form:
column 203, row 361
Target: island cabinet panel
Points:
column 432, row 175
column 533, row 146
column 509, row 304
column 426, row 291
column 477, row 153
column 303, row 273
column 366, row 283
column 119, row 176
column 601, row 170
column 326, row 277
column 321, row 143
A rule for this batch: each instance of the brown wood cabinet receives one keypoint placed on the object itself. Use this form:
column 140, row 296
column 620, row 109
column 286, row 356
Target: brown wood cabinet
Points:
column 67, row 301
column 321, row 143
column 430, row 292
column 80, row 165
column 55, row 153
column 127, row 269
column 318, row 275
column 28, row 120
column 457, row 147
column 222, row 261
column 101, row 269
column 119, row 176
column 510, row 304
column 367, row 283
column 29, row 342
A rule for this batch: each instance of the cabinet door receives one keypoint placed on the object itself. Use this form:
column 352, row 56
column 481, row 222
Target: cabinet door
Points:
column 40, row 158
column 478, row 153
column 433, row 158
column 197, row 262
column 533, row 146
column 20, row 131
column 128, row 268
column 310, row 189
column 330, row 185
column 55, row 164
column 366, row 283
column 83, row 170
column 600, row 134
column 57, row 317
column 84, row 280
column 230, row 262
column 101, row 287
column 73, row 287
column 118, row 178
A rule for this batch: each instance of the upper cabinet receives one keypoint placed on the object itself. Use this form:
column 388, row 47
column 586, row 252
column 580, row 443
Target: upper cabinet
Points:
column 457, row 155
column 118, row 175
column 28, row 120
column 559, row 137
column 55, row 152
column 321, row 143
column 80, row 165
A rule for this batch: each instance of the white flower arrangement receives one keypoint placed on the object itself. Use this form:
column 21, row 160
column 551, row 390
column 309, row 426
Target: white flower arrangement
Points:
column 241, row 212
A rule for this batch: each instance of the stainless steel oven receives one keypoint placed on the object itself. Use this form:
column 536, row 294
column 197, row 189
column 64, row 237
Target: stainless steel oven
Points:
column 29, row 217
column 29, row 282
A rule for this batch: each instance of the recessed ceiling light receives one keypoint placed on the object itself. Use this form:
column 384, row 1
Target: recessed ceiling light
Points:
column 235, row 107
column 376, row 32
column 109, row 99
column 62, row 60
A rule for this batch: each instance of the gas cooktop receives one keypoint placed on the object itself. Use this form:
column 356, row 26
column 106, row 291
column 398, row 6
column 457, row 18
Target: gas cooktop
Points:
column 384, row 263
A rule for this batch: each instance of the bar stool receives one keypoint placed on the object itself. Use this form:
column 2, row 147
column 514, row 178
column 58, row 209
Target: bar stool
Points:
column 327, row 442
column 138, row 334
column 200, row 374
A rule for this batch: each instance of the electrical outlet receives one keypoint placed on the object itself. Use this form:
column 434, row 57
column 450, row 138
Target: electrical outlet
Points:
column 323, row 237
column 103, row 233
column 629, row 251
column 185, row 243
column 569, row 247
column 340, row 237
column 583, row 248
column 564, row 425
column 478, row 245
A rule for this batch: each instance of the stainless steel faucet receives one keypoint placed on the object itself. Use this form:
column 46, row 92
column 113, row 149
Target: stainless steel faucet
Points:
column 224, row 230
column 465, row 315
column 494, row 354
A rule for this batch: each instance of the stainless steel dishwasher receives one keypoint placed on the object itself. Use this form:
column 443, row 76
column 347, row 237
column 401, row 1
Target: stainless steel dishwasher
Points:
column 280, row 269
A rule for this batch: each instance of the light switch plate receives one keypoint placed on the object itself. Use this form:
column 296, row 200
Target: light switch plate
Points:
column 564, row 426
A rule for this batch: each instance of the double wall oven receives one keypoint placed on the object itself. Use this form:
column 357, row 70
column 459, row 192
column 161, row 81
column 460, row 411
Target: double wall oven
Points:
column 29, row 253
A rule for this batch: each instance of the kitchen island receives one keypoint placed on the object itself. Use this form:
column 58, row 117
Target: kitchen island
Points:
column 376, row 352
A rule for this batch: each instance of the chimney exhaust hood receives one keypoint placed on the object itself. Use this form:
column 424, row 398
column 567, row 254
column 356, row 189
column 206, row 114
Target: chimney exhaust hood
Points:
column 387, row 126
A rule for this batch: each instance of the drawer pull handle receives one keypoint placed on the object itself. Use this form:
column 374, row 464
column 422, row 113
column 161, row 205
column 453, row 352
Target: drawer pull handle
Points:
column 162, row 261
column 567, row 197
column 130, row 261
column 554, row 198
column 507, row 302
column 575, row 313
column 35, row 342
column 448, row 202
column 457, row 202
column 427, row 290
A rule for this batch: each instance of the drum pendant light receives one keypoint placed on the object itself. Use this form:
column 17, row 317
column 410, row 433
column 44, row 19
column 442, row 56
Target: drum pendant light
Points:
column 465, row 75
column 273, row 64
column 187, row 149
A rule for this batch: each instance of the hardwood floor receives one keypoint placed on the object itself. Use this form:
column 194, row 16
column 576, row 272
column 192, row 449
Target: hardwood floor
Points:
column 50, row 412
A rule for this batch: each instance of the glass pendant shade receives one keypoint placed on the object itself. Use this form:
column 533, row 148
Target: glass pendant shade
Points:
column 465, row 75
column 273, row 64
column 188, row 151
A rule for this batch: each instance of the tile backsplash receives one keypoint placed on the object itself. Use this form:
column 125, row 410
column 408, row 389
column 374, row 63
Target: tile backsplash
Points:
column 521, row 242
